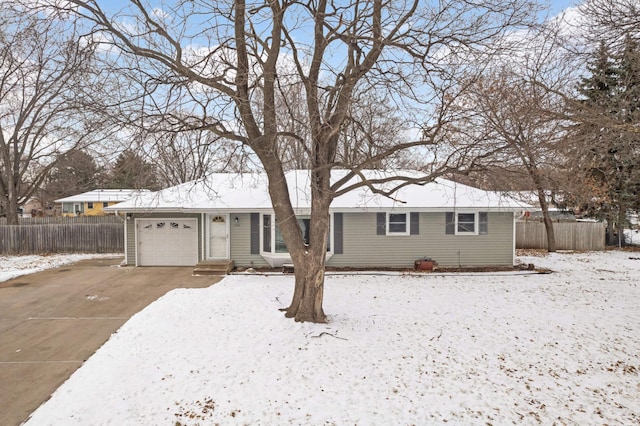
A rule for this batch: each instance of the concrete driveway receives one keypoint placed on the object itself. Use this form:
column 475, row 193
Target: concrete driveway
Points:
column 52, row 321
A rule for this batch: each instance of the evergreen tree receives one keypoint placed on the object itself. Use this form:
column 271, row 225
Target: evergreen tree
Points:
column 131, row 171
column 600, row 86
column 629, row 112
column 606, row 152
column 75, row 172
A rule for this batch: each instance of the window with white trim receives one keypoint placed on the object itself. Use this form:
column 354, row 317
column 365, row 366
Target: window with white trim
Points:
column 397, row 224
column 467, row 223
column 271, row 232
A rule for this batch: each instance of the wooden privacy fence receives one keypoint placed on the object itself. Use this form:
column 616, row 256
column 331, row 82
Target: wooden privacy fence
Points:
column 62, row 238
column 580, row 236
column 58, row 220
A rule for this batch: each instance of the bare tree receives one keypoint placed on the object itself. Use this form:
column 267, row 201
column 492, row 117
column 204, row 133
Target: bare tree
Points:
column 48, row 87
column 372, row 126
column 186, row 156
column 519, row 125
column 610, row 21
column 295, row 132
column 230, row 85
column 603, row 107
column 514, row 108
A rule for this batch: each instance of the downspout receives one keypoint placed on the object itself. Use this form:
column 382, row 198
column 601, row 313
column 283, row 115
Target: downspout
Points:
column 126, row 252
column 203, row 226
column 515, row 230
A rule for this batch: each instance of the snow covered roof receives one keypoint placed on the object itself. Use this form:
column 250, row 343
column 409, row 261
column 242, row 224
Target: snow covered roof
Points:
column 103, row 195
column 249, row 192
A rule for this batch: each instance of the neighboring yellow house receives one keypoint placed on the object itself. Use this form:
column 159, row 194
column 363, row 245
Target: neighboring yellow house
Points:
column 93, row 202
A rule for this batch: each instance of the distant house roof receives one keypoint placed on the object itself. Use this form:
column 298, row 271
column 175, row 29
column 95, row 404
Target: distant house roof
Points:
column 103, row 195
column 249, row 192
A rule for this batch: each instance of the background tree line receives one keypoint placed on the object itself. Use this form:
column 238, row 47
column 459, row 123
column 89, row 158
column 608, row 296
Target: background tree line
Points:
column 482, row 92
column 562, row 116
column 584, row 136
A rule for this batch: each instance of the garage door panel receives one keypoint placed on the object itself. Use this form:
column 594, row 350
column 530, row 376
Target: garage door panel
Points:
column 167, row 242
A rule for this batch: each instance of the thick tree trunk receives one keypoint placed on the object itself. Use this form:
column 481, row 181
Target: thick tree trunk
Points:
column 308, row 260
column 12, row 207
column 309, row 265
column 306, row 304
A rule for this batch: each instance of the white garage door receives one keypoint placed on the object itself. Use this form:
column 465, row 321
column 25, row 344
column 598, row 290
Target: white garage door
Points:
column 167, row 242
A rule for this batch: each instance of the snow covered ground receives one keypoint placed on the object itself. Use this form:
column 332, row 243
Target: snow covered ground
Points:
column 632, row 236
column 15, row 266
column 497, row 348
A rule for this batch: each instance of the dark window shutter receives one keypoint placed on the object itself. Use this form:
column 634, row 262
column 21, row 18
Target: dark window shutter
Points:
column 255, row 233
column 450, row 223
column 337, row 233
column 381, row 224
column 483, row 218
column 414, row 228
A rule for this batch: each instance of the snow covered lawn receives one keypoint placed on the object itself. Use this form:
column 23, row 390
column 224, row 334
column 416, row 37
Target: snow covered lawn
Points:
column 399, row 349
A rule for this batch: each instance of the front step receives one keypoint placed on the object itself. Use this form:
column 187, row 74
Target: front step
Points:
column 214, row 267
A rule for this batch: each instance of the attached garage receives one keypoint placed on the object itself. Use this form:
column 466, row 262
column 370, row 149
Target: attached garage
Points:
column 167, row 242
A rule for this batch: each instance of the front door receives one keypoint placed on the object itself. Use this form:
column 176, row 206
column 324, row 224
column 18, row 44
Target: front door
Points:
column 218, row 236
